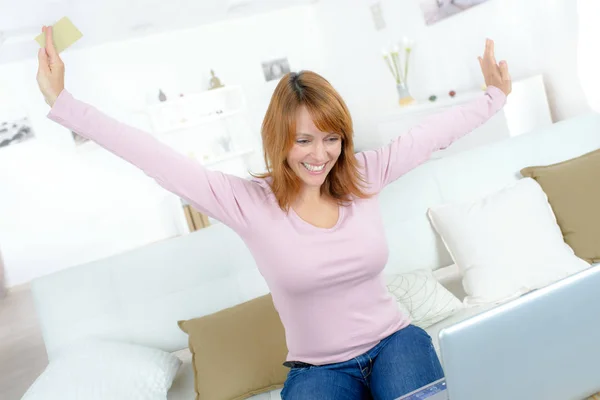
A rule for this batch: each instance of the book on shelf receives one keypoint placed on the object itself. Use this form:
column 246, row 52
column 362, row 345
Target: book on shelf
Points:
column 195, row 219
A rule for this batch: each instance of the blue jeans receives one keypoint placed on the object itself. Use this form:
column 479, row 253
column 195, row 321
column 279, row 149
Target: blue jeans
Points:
column 399, row 364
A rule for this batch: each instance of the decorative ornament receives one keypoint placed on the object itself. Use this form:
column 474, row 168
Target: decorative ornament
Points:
column 162, row 96
column 214, row 82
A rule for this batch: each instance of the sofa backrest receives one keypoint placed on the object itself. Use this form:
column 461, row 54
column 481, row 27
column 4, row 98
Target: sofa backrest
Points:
column 467, row 176
column 139, row 296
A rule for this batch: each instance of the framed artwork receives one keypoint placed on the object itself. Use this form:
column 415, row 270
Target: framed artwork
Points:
column 437, row 10
column 275, row 69
column 17, row 131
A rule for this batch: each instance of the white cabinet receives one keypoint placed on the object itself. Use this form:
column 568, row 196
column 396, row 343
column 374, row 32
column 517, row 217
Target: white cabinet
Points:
column 526, row 109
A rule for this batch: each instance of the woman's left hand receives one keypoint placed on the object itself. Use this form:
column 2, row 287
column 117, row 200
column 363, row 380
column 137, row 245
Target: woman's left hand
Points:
column 494, row 74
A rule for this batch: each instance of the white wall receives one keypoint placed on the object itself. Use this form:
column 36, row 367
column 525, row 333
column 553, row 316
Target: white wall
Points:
column 534, row 36
column 61, row 206
column 588, row 55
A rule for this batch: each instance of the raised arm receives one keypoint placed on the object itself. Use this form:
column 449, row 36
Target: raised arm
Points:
column 438, row 131
column 224, row 197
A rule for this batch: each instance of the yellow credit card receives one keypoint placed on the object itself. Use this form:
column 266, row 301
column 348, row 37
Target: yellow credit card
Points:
column 64, row 35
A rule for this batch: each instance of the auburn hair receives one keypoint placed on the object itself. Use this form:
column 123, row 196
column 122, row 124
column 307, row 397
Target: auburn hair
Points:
column 329, row 114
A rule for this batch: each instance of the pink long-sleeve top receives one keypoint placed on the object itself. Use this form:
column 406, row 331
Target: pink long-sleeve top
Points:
column 326, row 284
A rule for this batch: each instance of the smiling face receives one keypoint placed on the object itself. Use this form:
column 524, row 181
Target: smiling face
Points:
column 314, row 153
column 307, row 142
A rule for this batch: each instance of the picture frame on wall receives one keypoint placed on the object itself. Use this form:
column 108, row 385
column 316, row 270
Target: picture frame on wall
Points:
column 437, row 10
column 275, row 69
column 15, row 131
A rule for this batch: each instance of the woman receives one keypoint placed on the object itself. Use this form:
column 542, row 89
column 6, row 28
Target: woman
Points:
column 312, row 223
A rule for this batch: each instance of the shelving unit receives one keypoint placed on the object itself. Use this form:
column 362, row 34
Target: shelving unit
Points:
column 196, row 109
column 212, row 127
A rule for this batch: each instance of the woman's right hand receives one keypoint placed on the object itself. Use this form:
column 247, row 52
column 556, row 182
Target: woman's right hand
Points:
column 51, row 70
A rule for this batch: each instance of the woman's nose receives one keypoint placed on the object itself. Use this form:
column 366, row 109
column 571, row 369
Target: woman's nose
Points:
column 319, row 151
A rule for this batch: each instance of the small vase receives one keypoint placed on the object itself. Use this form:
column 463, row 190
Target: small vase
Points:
column 404, row 94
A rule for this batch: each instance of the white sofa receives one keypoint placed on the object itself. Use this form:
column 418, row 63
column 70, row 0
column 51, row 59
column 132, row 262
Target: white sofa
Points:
column 139, row 296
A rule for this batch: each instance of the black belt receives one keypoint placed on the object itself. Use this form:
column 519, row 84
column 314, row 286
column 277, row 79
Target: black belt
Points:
column 297, row 364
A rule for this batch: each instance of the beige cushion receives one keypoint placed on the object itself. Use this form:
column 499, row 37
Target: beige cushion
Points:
column 237, row 352
column 573, row 190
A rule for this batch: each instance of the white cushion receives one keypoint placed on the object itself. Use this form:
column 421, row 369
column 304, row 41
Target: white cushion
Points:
column 505, row 244
column 422, row 297
column 97, row 369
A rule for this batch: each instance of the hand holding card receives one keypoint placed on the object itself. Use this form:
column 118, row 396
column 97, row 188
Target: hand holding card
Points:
column 51, row 70
column 64, row 34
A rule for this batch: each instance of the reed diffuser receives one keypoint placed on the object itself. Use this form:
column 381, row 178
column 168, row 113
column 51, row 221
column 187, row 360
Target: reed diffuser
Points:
column 398, row 66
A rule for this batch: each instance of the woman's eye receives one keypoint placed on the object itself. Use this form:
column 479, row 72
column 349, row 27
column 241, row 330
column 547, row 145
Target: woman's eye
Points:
column 301, row 141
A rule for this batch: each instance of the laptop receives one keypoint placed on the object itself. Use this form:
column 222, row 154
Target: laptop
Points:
column 543, row 345
column 434, row 391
